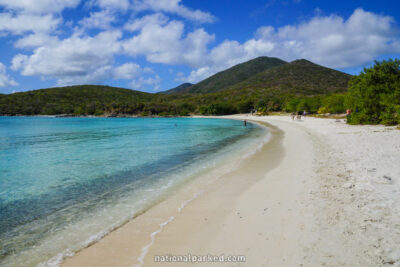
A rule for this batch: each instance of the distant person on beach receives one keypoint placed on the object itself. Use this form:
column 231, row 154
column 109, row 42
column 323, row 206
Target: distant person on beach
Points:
column 348, row 113
column 298, row 116
column 245, row 123
column 304, row 114
column 293, row 115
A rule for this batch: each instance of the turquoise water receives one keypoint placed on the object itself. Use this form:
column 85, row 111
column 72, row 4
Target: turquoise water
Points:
column 66, row 181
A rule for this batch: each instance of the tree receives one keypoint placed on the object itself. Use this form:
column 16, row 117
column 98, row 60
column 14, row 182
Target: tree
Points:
column 374, row 95
column 291, row 105
column 333, row 104
column 245, row 106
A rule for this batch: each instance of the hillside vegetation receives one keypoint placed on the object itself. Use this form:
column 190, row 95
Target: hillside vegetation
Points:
column 374, row 95
column 177, row 89
column 263, row 84
column 233, row 75
column 78, row 100
column 298, row 77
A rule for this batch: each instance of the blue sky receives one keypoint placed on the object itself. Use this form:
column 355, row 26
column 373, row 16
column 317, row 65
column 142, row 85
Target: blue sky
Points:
column 154, row 45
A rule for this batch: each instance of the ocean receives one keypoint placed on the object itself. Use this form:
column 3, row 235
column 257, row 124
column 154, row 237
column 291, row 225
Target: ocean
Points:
column 66, row 182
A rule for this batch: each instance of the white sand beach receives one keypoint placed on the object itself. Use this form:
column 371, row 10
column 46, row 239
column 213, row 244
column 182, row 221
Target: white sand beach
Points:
column 319, row 193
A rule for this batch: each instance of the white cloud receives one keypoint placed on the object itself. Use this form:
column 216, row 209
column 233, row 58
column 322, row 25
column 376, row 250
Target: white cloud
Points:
column 113, row 4
column 199, row 74
column 18, row 62
column 157, row 42
column 129, row 71
column 142, row 83
column 165, row 43
column 5, row 80
column 98, row 20
column 228, row 54
column 19, row 24
column 39, row 6
column 333, row 41
column 153, row 19
column 173, row 7
column 75, row 60
column 35, row 40
column 330, row 41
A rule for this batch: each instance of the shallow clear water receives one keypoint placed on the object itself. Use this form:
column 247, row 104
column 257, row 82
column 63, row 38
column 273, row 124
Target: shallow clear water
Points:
column 67, row 181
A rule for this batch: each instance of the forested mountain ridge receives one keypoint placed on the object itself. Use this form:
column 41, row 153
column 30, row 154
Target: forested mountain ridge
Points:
column 79, row 100
column 233, row 75
column 266, row 84
column 298, row 77
column 177, row 89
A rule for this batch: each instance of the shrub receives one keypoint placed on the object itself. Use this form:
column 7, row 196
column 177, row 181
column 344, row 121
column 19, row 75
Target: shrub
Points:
column 374, row 95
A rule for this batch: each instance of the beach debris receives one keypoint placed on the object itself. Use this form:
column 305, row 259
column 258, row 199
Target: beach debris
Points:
column 372, row 170
column 384, row 179
column 387, row 178
column 348, row 185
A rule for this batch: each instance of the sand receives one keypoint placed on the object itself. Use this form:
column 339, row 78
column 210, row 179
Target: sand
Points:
column 319, row 193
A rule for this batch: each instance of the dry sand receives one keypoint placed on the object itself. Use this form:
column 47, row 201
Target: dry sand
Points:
column 320, row 193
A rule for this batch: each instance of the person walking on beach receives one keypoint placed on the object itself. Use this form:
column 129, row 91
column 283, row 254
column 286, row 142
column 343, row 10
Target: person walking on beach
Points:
column 348, row 113
column 292, row 115
column 298, row 116
column 304, row 114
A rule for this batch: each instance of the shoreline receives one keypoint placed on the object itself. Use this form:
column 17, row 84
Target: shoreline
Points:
column 143, row 226
column 96, row 224
column 300, row 200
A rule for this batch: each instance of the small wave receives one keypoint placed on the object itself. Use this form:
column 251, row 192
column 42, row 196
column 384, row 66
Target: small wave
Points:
column 251, row 152
column 252, row 148
column 57, row 260
column 153, row 235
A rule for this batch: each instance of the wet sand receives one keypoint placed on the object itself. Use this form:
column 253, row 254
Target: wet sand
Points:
column 289, row 204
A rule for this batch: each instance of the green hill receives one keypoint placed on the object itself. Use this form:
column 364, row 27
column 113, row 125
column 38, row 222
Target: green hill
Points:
column 82, row 99
column 300, row 85
column 300, row 77
column 177, row 89
column 263, row 83
column 233, row 75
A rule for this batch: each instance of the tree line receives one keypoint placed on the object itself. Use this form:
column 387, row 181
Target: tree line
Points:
column 373, row 97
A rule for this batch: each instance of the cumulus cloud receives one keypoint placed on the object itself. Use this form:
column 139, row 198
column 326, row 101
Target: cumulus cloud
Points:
column 39, row 6
column 156, row 42
column 88, row 56
column 35, row 40
column 113, row 4
column 153, row 82
column 164, row 42
column 152, row 19
column 141, row 78
column 173, row 7
column 98, row 20
column 327, row 40
column 129, row 71
column 22, row 23
column 74, row 60
column 5, row 80
column 333, row 41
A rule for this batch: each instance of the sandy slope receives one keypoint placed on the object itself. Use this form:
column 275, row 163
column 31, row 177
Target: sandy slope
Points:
column 319, row 193
column 357, row 203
